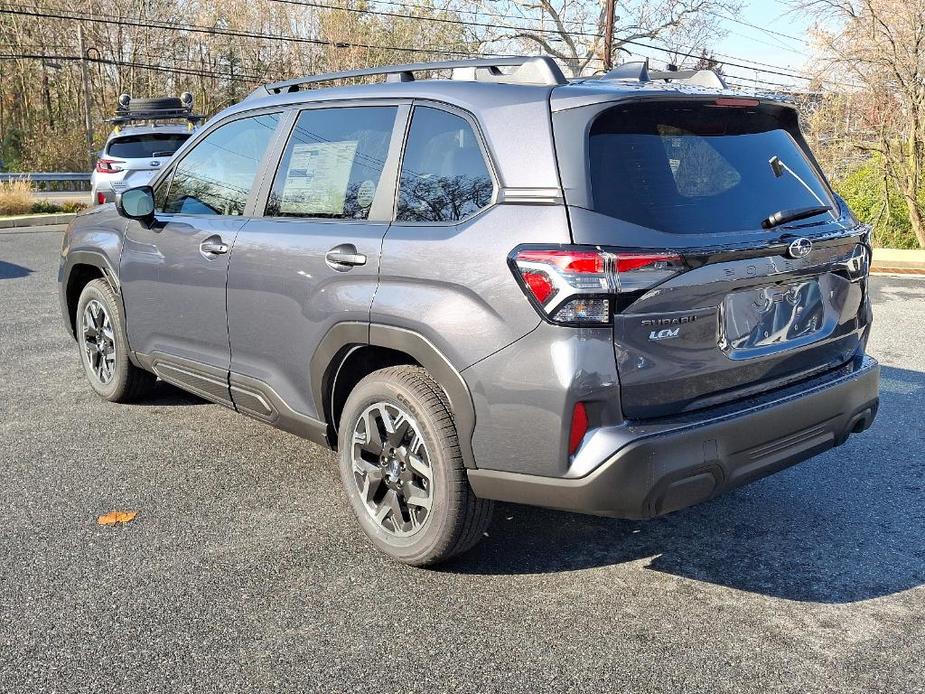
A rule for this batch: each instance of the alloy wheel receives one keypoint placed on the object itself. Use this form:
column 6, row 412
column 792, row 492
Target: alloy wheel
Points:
column 99, row 342
column 391, row 469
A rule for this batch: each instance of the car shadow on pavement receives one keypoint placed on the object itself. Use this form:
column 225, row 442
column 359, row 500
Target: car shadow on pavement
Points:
column 12, row 271
column 165, row 394
column 848, row 525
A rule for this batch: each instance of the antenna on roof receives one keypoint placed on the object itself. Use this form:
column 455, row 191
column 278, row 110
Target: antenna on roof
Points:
column 637, row 71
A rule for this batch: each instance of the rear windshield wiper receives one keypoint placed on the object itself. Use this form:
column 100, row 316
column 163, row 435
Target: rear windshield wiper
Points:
column 784, row 216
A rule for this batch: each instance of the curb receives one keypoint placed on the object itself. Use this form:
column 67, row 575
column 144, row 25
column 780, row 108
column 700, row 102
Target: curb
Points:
column 36, row 220
column 886, row 270
column 895, row 261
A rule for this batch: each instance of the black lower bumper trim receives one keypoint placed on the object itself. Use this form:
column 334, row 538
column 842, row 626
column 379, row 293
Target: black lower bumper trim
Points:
column 660, row 473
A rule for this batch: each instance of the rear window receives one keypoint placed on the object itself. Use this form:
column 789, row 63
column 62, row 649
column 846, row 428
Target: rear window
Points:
column 146, row 146
column 698, row 168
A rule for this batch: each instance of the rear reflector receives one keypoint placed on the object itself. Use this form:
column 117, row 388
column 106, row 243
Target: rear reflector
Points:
column 575, row 286
column 579, row 427
column 101, row 198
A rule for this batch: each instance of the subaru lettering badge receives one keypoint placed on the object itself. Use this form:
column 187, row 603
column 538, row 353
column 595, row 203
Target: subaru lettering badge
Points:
column 800, row 248
column 155, row 163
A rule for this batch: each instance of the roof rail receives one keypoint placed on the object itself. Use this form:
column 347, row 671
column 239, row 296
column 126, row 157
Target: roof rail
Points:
column 541, row 70
column 639, row 71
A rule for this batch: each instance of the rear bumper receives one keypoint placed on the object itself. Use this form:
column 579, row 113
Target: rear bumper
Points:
column 661, row 467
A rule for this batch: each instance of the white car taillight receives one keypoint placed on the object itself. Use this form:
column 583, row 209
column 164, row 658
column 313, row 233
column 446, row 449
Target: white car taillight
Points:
column 109, row 165
column 577, row 286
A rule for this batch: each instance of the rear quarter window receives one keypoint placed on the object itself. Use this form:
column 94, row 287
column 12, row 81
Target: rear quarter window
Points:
column 444, row 177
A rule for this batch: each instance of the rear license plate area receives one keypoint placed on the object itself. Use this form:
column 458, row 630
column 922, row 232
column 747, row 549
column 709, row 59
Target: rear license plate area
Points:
column 764, row 320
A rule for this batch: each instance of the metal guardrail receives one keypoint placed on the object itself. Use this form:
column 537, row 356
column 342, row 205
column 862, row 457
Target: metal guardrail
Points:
column 56, row 181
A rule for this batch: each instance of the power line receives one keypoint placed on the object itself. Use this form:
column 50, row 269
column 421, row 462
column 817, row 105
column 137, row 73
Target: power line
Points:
column 476, row 13
column 772, row 69
column 199, row 29
column 311, row 3
column 302, row 39
column 444, row 20
column 250, row 79
column 755, row 26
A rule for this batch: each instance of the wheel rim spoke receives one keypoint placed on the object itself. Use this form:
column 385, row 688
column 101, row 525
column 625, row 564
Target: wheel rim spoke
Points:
column 418, row 465
column 391, row 469
column 397, row 515
column 417, row 497
column 373, row 442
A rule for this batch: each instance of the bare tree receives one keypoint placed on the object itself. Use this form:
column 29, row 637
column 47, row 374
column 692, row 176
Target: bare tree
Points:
column 880, row 45
column 573, row 30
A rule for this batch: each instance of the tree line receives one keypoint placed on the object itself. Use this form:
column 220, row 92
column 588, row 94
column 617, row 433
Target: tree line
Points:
column 862, row 102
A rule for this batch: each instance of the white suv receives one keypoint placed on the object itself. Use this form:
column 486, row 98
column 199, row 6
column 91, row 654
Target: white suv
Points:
column 145, row 135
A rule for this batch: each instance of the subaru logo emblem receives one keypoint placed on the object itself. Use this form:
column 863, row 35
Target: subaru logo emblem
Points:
column 155, row 163
column 800, row 248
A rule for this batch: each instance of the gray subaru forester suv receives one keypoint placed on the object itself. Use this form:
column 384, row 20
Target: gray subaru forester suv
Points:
column 620, row 295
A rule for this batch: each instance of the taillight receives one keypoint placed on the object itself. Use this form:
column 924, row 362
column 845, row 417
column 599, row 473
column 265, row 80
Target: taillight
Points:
column 578, row 286
column 109, row 165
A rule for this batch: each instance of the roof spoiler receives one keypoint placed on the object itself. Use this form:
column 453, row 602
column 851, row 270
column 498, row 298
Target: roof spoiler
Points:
column 536, row 70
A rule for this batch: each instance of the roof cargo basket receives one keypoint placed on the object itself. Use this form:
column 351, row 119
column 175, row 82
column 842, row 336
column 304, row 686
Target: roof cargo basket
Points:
column 539, row 70
column 639, row 72
column 132, row 110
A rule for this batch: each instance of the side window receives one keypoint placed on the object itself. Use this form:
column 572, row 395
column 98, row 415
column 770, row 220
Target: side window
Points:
column 216, row 176
column 443, row 175
column 332, row 163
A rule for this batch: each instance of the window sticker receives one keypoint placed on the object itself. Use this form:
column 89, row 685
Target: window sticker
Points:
column 316, row 183
column 366, row 193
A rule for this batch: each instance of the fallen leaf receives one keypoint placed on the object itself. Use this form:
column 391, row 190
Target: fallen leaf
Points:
column 114, row 517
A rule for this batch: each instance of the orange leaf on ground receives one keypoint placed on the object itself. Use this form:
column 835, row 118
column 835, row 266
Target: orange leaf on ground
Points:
column 114, row 517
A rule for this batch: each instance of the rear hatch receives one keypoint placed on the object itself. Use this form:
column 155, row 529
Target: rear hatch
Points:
column 747, row 301
column 135, row 158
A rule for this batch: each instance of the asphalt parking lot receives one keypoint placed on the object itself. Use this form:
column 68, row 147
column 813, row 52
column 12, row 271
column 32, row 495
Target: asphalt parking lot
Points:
column 245, row 572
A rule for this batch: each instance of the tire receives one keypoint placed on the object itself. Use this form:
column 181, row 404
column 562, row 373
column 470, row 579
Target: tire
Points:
column 425, row 443
column 100, row 328
column 158, row 104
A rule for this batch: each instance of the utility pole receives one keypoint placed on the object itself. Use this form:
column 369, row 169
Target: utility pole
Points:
column 608, row 34
column 86, row 81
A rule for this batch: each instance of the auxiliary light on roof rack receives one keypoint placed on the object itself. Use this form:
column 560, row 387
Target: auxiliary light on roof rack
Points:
column 167, row 108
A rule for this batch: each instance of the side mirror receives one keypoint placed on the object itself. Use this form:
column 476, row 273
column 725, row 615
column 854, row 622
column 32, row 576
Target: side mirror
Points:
column 137, row 203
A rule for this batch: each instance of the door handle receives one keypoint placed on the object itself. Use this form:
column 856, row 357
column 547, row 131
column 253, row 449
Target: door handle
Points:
column 344, row 257
column 213, row 246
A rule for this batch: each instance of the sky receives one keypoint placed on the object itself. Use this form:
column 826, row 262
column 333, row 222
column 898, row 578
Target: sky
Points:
column 764, row 31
